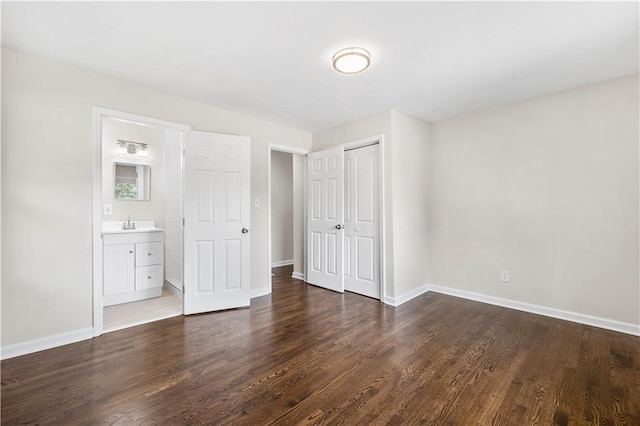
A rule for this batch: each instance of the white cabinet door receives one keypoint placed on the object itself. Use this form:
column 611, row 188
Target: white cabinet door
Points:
column 216, row 207
column 361, row 243
column 325, row 171
column 118, row 269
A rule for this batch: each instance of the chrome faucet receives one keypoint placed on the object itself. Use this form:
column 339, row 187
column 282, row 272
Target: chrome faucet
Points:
column 128, row 224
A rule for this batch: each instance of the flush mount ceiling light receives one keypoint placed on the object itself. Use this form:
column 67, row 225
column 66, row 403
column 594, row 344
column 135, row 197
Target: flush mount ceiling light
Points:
column 351, row 60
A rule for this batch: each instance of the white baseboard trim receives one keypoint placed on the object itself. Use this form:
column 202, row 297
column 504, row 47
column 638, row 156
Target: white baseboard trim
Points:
column 44, row 343
column 599, row 322
column 173, row 289
column 298, row 275
column 282, row 263
column 258, row 292
column 397, row 301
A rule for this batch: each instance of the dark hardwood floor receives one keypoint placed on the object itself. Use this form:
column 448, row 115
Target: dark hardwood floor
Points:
column 305, row 355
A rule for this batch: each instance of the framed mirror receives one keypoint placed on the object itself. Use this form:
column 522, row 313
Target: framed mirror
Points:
column 132, row 181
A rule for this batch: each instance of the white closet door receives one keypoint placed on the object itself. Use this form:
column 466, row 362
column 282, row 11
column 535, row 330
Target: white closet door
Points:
column 325, row 171
column 216, row 192
column 361, row 239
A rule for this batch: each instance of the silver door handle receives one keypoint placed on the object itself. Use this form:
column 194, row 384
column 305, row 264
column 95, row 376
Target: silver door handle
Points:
column 245, row 231
column 338, row 226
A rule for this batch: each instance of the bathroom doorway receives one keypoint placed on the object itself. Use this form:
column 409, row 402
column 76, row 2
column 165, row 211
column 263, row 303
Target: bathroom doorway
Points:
column 137, row 220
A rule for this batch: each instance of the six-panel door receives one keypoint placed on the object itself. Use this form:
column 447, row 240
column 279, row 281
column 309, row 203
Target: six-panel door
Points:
column 216, row 210
column 325, row 189
column 361, row 243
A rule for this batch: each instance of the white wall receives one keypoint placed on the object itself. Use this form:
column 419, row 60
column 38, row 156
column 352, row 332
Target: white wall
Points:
column 281, row 207
column 372, row 125
column 153, row 209
column 47, row 185
column 547, row 189
column 410, row 187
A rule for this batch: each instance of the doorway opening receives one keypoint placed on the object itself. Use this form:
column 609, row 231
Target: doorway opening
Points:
column 286, row 210
column 137, row 219
column 282, row 209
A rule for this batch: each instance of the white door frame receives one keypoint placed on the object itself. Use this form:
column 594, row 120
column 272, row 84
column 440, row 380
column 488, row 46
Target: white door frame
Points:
column 98, row 114
column 291, row 150
column 360, row 143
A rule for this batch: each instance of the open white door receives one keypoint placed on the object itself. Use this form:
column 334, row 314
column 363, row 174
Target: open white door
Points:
column 216, row 207
column 361, row 248
column 325, row 177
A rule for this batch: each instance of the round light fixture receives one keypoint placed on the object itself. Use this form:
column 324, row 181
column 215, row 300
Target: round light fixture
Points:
column 351, row 60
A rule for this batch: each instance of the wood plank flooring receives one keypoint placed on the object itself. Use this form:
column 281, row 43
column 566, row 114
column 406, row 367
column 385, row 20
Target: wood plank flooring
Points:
column 305, row 355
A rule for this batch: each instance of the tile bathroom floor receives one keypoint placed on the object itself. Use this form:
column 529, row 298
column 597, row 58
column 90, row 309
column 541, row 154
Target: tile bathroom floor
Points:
column 126, row 315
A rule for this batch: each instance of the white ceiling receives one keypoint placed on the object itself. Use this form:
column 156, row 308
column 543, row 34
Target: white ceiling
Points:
column 273, row 60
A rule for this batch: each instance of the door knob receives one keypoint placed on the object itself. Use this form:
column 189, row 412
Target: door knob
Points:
column 245, row 231
column 339, row 226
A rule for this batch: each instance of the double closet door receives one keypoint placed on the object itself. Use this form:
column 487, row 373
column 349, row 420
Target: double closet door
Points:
column 343, row 223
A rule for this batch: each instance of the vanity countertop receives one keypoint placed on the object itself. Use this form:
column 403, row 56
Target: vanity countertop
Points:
column 131, row 231
column 115, row 227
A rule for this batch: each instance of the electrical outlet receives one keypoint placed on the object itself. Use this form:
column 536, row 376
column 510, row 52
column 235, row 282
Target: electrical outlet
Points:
column 108, row 210
column 504, row 276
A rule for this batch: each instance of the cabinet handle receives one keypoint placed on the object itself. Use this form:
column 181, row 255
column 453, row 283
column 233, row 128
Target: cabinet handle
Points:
column 130, row 251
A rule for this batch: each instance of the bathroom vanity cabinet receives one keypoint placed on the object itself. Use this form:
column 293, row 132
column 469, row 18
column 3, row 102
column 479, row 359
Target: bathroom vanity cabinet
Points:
column 133, row 266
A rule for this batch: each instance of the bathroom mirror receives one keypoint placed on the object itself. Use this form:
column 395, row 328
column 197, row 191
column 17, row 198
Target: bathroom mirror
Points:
column 132, row 181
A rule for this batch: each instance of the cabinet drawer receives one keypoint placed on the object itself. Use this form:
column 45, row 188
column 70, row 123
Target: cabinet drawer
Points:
column 149, row 254
column 149, row 277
